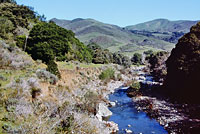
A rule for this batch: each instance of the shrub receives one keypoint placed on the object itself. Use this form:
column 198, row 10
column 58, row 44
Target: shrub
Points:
column 20, row 41
column 53, row 68
column 6, row 26
column 157, row 65
column 43, row 74
column 107, row 74
column 121, row 60
column 137, row 59
column 148, row 52
column 135, row 86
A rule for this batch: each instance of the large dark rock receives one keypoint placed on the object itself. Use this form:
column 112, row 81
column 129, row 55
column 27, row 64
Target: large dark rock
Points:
column 183, row 67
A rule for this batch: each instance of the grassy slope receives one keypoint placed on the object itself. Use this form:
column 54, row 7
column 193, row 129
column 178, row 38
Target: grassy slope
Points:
column 164, row 25
column 110, row 36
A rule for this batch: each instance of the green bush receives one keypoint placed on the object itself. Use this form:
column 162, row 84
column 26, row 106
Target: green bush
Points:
column 148, row 52
column 107, row 74
column 137, row 59
column 6, row 26
column 20, row 41
column 135, row 86
column 53, row 68
column 121, row 60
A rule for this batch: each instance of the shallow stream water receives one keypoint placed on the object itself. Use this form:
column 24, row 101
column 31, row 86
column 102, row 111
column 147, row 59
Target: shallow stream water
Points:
column 125, row 113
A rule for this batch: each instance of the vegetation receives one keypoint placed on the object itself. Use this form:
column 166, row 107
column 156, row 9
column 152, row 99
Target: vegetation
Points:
column 21, row 41
column 8, row 1
column 6, row 27
column 107, row 74
column 121, row 60
column 163, row 25
column 135, row 86
column 112, row 37
column 104, row 56
column 53, row 68
column 19, row 15
column 148, row 52
column 100, row 56
column 183, row 67
column 48, row 41
column 137, row 59
column 157, row 65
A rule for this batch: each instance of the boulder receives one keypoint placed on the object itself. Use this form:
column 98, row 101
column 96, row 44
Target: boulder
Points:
column 103, row 111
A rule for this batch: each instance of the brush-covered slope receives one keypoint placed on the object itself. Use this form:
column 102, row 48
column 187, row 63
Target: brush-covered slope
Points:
column 112, row 37
column 183, row 67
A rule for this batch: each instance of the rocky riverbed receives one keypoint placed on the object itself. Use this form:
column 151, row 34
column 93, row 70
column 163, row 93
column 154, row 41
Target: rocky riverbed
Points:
column 176, row 118
column 107, row 88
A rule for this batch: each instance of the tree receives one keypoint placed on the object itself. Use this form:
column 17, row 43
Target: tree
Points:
column 19, row 15
column 8, row 1
column 121, row 59
column 137, row 59
column 157, row 65
column 100, row 56
column 148, row 52
column 48, row 41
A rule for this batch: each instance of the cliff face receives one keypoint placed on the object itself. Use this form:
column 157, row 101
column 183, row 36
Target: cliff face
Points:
column 183, row 67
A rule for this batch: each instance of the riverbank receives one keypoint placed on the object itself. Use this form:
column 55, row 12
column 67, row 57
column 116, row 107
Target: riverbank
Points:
column 176, row 118
column 85, row 78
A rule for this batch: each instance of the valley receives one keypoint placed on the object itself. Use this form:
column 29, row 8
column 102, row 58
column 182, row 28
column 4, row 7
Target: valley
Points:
column 83, row 76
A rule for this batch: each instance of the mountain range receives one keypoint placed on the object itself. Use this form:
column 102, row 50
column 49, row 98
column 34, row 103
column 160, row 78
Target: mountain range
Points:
column 159, row 34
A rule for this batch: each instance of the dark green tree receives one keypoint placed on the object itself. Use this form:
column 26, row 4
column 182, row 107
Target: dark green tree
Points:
column 137, row 59
column 8, row 1
column 148, row 52
column 157, row 65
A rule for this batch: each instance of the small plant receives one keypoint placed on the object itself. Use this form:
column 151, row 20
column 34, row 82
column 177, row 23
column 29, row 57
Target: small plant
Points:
column 135, row 86
column 107, row 74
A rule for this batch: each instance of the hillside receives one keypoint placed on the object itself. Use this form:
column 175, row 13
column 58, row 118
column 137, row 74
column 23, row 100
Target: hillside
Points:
column 163, row 29
column 164, row 25
column 112, row 37
column 58, row 97
column 183, row 67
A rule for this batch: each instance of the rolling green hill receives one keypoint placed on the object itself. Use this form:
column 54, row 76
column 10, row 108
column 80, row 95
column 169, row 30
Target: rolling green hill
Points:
column 164, row 25
column 112, row 37
column 130, row 39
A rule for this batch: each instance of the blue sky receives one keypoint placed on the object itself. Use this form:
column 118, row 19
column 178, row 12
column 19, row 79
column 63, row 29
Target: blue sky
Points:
column 118, row 12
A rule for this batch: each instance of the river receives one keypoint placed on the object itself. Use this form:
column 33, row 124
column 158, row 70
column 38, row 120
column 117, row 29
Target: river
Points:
column 125, row 113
